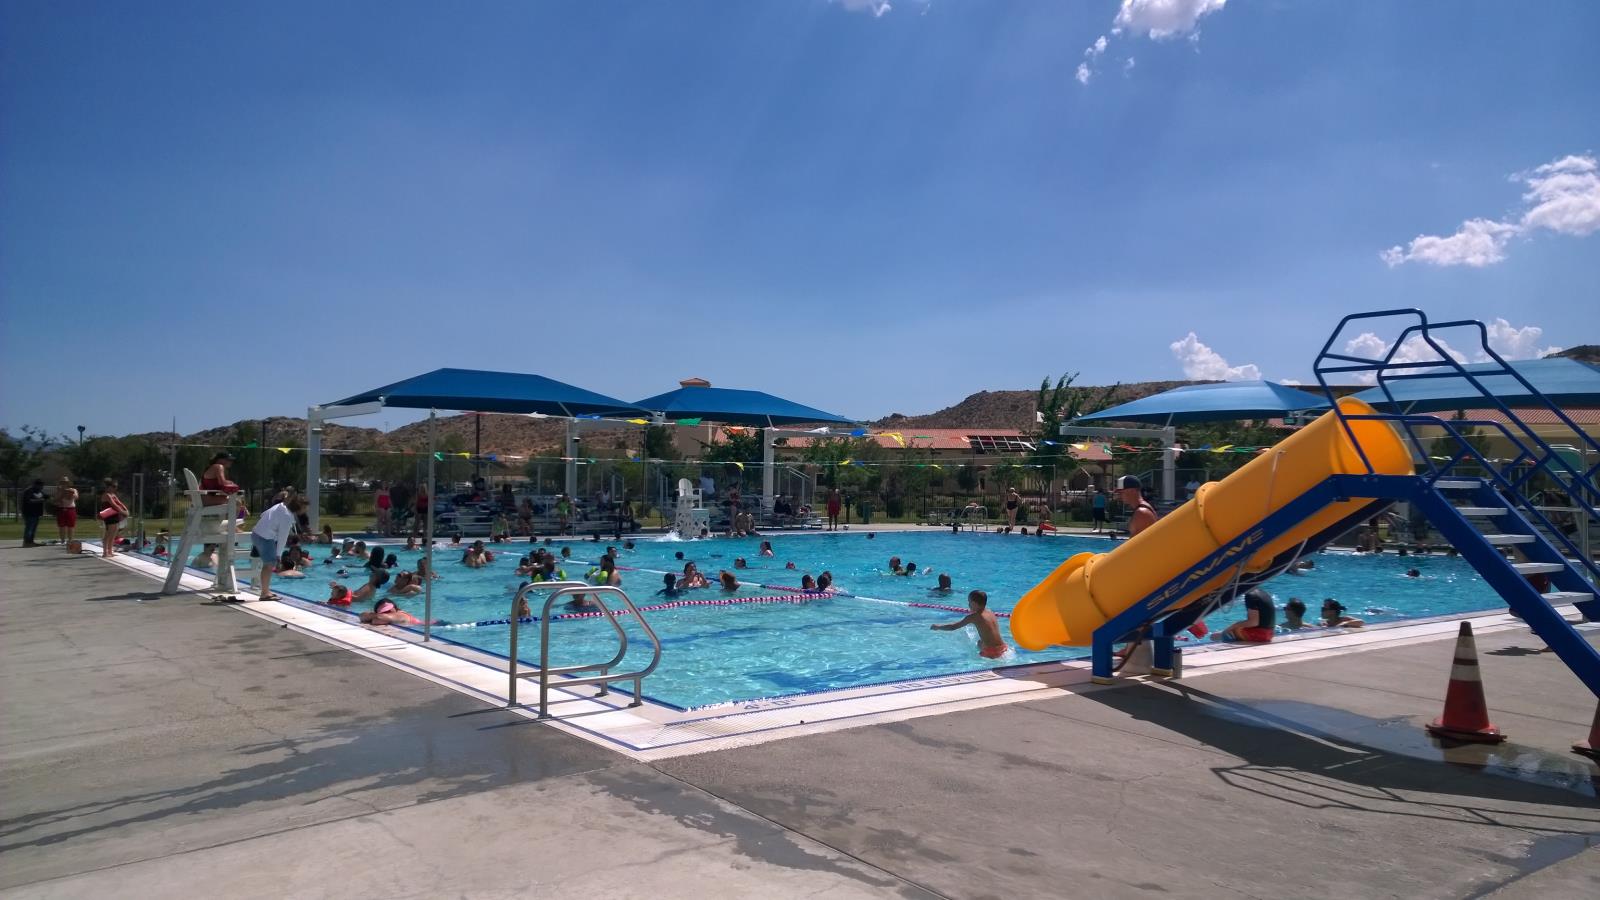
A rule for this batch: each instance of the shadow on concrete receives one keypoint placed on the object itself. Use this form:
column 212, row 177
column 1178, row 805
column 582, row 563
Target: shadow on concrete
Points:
column 410, row 755
column 759, row 839
column 1304, row 754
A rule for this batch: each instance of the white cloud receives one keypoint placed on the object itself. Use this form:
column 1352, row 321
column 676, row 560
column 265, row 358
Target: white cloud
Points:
column 1155, row 19
column 1162, row 19
column 1201, row 363
column 1506, row 339
column 876, row 7
column 1512, row 342
column 1479, row 242
column 1565, row 195
column 1562, row 196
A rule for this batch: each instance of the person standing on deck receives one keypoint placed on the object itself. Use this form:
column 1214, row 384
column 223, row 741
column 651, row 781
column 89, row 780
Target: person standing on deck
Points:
column 1143, row 515
column 835, row 506
column 66, row 509
column 32, row 511
column 1097, row 505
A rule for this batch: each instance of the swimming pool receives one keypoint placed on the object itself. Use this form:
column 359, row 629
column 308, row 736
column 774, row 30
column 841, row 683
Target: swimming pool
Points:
column 868, row 635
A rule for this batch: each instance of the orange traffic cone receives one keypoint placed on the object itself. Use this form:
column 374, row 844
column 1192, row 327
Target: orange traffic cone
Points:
column 1591, row 747
column 1466, row 714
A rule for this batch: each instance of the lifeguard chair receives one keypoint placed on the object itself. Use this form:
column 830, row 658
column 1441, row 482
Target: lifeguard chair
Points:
column 691, row 515
column 215, row 525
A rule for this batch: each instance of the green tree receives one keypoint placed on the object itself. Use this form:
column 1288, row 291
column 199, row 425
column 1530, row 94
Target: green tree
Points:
column 20, row 458
column 1056, row 406
column 658, row 443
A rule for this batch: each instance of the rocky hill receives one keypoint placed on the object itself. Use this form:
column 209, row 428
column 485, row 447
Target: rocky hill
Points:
column 1587, row 353
column 1012, row 409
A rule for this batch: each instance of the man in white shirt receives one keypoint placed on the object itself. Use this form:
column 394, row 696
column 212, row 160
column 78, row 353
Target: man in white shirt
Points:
column 270, row 537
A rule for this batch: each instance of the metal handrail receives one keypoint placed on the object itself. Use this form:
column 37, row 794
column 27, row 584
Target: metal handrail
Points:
column 559, row 589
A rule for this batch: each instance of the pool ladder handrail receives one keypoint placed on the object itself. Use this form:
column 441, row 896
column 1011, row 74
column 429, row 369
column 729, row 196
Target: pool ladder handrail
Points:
column 559, row 589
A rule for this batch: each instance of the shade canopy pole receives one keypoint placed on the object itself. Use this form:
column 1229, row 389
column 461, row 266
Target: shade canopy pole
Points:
column 433, row 502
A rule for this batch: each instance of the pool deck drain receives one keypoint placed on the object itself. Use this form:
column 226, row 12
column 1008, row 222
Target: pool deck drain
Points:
column 653, row 731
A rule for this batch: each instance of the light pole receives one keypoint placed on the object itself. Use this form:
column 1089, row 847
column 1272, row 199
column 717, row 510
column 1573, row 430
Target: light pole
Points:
column 81, row 430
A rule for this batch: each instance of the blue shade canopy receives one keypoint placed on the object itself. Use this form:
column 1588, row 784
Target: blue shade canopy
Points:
column 500, row 392
column 1566, row 382
column 1212, row 403
column 733, row 407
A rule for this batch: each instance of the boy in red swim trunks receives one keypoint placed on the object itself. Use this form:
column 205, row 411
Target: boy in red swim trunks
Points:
column 990, row 644
column 1259, row 623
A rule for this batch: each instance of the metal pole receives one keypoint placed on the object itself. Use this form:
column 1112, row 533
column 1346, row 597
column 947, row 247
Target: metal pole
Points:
column 314, row 468
column 172, row 477
column 427, row 583
column 572, row 457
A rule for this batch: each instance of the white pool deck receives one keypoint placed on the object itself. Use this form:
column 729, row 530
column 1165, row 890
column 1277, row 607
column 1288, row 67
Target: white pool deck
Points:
column 653, row 731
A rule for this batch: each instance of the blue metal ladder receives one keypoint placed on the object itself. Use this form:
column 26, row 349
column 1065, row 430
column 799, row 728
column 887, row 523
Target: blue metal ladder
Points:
column 1486, row 514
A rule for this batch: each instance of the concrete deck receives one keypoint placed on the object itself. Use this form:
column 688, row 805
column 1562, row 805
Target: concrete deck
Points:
column 164, row 746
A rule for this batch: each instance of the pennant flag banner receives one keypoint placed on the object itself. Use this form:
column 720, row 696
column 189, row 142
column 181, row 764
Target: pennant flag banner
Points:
column 588, row 416
column 283, row 449
column 859, row 432
column 740, row 465
column 638, row 421
column 896, row 436
column 252, row 446
column 694, row 421
column 439, row 456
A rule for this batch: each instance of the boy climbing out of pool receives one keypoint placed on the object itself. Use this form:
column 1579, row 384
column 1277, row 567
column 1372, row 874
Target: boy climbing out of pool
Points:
column 990, row 644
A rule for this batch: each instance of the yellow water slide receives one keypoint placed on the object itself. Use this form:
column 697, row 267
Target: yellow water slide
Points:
column 1088, row 589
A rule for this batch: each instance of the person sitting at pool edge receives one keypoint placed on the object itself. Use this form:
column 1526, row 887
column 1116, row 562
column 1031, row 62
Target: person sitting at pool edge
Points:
column 1258, row 625
column 990, row 644
column 1333, row 615
column 1294, row 614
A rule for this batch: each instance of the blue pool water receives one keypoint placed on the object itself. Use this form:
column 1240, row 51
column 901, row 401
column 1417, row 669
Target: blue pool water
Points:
column 742, row 652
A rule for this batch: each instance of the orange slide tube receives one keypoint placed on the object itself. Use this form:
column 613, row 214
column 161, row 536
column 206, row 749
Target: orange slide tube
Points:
column 1089, row 589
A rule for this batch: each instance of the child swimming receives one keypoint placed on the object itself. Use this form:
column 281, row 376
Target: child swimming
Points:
column 990, row 644
column 1333, row 615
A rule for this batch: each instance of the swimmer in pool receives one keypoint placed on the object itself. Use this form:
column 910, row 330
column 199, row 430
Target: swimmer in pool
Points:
column 669, row 585
column 789, row 564
column 909, row 570
column 825, row 581
column 894, row 566
column 807, row 583
column 1413, row 573
column 739, row 563
column 1333, row 615
column 385, row 612
column 1294, row 614
column 730, row 581
column 692, row 578
column 766, row 549
column 944, row 587
column 990, row 644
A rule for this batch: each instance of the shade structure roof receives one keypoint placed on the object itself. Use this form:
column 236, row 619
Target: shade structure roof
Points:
column 1566, row 382
column 501, row 392
column 728, row 406
column 1212, row 403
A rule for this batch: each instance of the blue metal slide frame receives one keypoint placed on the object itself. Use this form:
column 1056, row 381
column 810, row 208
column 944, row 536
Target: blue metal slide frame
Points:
column 1499, row 487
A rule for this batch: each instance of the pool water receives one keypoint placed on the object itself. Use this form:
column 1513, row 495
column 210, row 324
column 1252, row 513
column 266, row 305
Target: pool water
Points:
column 868, row 635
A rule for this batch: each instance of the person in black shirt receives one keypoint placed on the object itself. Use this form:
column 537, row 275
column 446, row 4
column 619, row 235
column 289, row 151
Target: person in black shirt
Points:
column 33, row 500
column 1258, row 625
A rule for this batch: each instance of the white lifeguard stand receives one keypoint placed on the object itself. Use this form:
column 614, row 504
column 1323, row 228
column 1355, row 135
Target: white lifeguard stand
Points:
column 691, row 515
column 206, row 525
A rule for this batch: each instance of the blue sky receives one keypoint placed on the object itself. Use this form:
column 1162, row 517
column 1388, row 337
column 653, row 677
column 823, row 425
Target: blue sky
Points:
column 865, row 210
